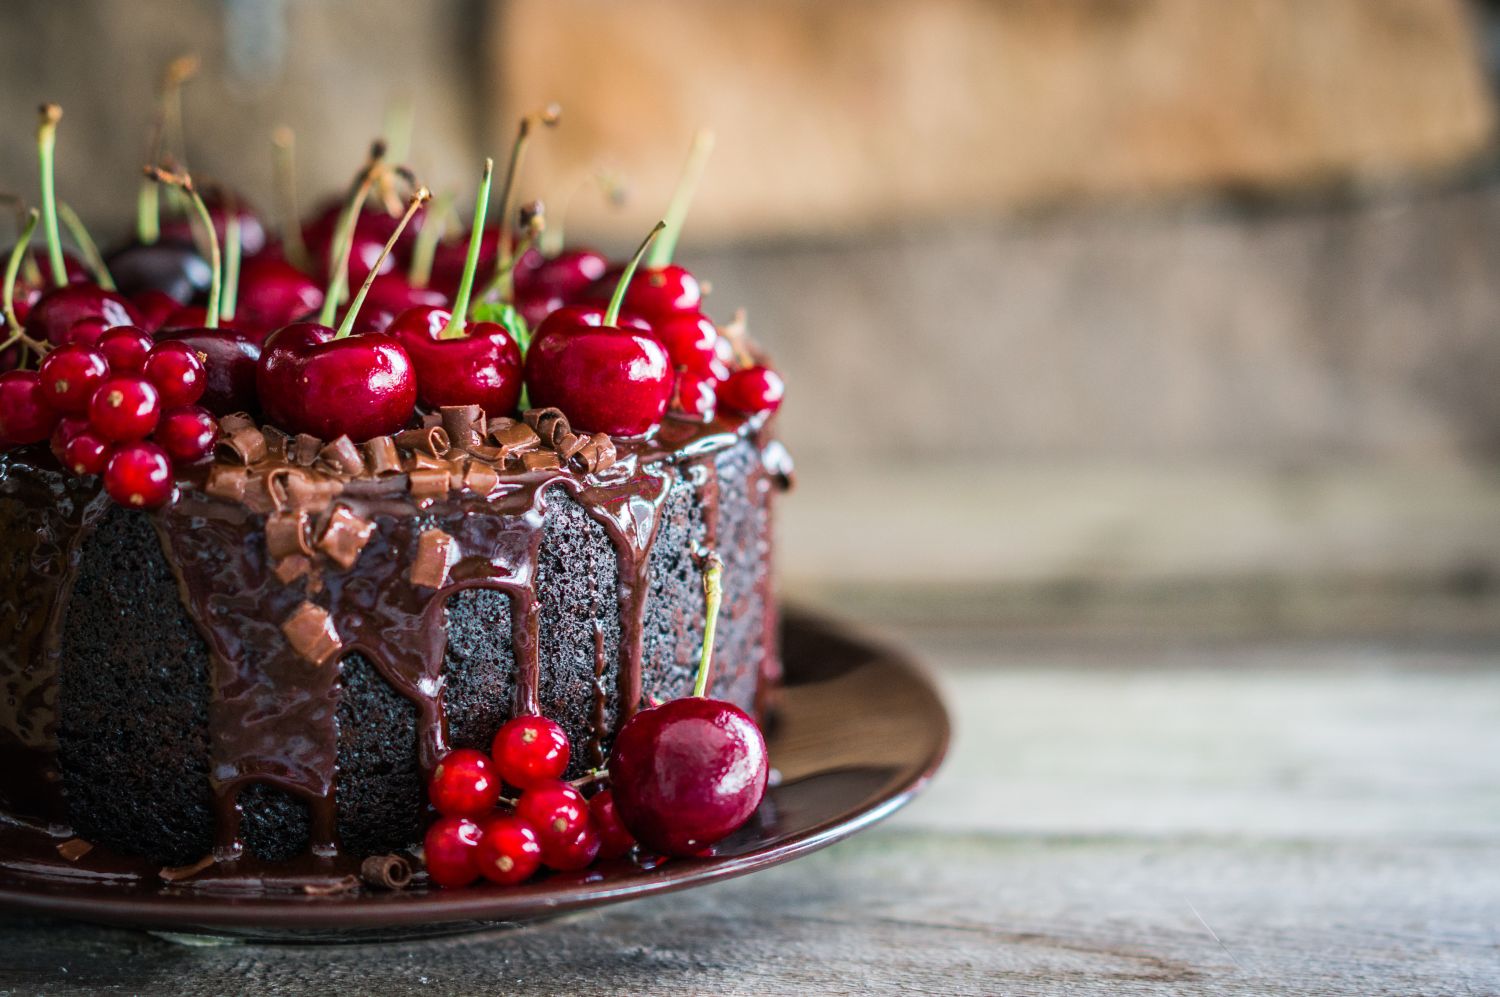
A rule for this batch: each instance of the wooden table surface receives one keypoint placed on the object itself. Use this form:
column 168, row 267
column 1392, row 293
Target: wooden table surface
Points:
column 1246, row 817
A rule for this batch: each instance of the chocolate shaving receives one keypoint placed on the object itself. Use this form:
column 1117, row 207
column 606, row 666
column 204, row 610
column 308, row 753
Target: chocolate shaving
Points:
column 381, row 456
column 515, row 438
column 345, row 536
column 289, row 569
column 227, row 482
column 305, row 449
column 286, row 535
column 333, row 888
column 569, row 445
column 430, row 440
column 430, row 419
column 430, row 482
column 597, row 454
column 243, row 446
column 388, row 872
column 540, row 460
column 234, row 422
column 499, row 424
column 310, row 632
column 277, row 442
column 485, row 452
column 436, row 554
column 550, row 424
column 480, row 478
column 343, row 456
column 423, row 461
column 74, row 849
column 177, row 873
column 463, row 423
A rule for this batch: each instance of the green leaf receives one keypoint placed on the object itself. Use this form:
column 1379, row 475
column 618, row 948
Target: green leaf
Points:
column 505, row 315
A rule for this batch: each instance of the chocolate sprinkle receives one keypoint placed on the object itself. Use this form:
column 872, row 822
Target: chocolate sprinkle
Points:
column 310, row 632
column 436, row 554
column 344, row 537
column 387, row 872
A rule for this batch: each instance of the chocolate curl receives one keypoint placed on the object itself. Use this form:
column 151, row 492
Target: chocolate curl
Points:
column 227, row 482
column 74, row 849
column 515, row 438
column 277, row 442
column 437, row 552
column 309, row 630
column 286, row 535
column 344, row 884
column 485, row 452
column 246, row 445
column 235, row 421
column 305, row 449
column 550, row 424
column 177, row 873
column 430, row 482
column 463, row 423
column 480, row 478
column 289, row 569
column 596, row 454
column 430, row 419
column 540, row 460
column 345, row 536
column 343, row 456
column 569, row 445
column 305, row 490
column 386, row 872
column 430, row 440
column 420, row 460
column 381, row 456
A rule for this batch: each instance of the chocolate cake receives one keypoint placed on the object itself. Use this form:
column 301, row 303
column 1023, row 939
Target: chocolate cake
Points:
column 266, row 669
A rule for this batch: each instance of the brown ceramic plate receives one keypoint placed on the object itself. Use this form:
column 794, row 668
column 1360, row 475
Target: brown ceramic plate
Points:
column 858, row 732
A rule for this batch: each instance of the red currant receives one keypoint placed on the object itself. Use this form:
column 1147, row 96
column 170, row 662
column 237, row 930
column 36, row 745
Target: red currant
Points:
column 25, row 416
column 451, row 851
column 87, row 453
column 139, row 475
column 614, row 840
column 177, row 373
column 187, row 434
column 464, row 784
column 125, row 409
column 572, row 854
column 555, row 809
column 530, row 751
column 755, row 389
column 69, row 376
column 125, row 347
column 508, row 852
column 68, row 427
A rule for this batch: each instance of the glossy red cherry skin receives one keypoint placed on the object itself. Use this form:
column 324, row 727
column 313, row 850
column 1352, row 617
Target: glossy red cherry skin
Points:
column 555, row 809
column 87, row 453
column 69, row 376
column 573, row 853
column 273, row 293
column 753, row 390
column 175, row 269
column 55, row 313
column 535, row 305
column 125, row 409
column 614, row 839
column 695, row 395
column 177, row 373
column 655, row 293
column 360, row 386
column 566, row 275
column 464, row 784
column 606, row 379
column 371, row 231
column 126, row 348
column 230, row 358
column 25, row 416
column 450, row 851
column 691, row 340
column 687, row 773
column 187, row 434
column 509, row 851
column 482, row 367
column 179, row 228
column 154, row 308
column 139, row 476
column 530, row 751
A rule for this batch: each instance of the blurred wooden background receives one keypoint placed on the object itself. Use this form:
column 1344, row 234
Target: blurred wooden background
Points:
column 1123, row 312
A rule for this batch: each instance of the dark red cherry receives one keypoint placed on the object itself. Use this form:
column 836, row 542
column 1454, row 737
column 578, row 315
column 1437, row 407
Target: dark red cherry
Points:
column 230, row 358
column 464, row 784
column 536, row 304
column 359, row 386
column 25, row 416
column 508, row 852
column 391, row 292
column 273, row 293
column 154, row 307
column 179, row 229
column 687, row 773
column 187, row 434
column 655, row 294
column 692, row 341
column 755, row 389
column 52, row 318
column 87, row 453
column 606, row 379
column 125, row 409
column 77, row 271
column 126, row 348
column 573, row 853
column 372, row 229
column 614, row 839
column 177, row 373
column 449, row 259
column 695, row 394
column 566, row 275
column 175, row 269
column 139, row 476
column 481, row 367
column 555, row 809
column 530, row 751
column 69, row 376
column 450, row 850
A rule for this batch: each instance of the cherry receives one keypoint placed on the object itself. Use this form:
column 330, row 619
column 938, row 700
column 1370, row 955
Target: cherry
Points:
column 230, row 359
column 573, row 853
column 566, row 275
column 53, row 317
column 755, row 389
column 614, row 839
column 464, row 784
column 691, row 340
column 451, row 850
column 126, row 348
column 175, row 269
column 177, row 373
column 153, row 307
column 252, row 231
column 25, row 416
column 555, row 809
column 125, row 409
column 187, row 434
column 87, row 453
column 273, row 293
column 530, row 751
column 607, row 379
column 691, row 771
column 695, row 394
column 508, row 852
column 69, row 375
column 139, row 476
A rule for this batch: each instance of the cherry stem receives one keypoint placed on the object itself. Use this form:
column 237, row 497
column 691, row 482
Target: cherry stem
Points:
column 549, row 116
column 13, row 268
column 502, row 284
column 46, row 145
column 419, row 198
column 424, row 251
column 284, row 162
column 458, row 319
column 86, row 245
column 184, row 183
column 342, row 246
column 553, row 242
column 612, row 314
column 232, row 252
column 179, row 71
column 148, row 214
column 682, row 198
column 713, row 595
